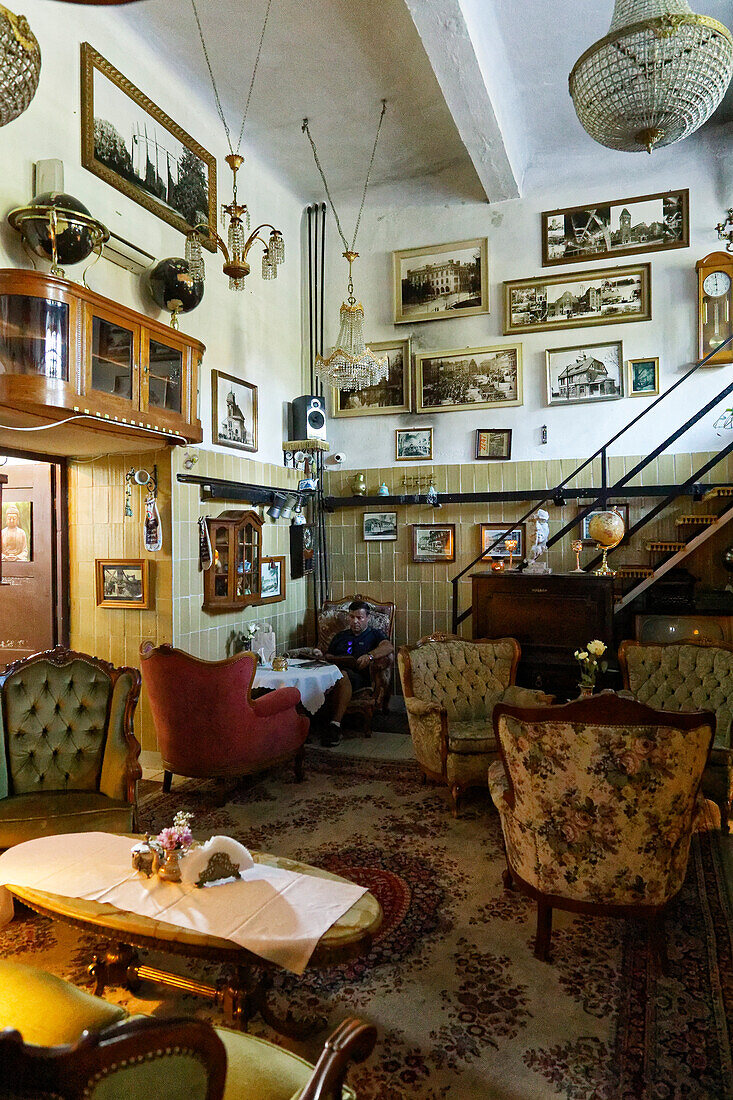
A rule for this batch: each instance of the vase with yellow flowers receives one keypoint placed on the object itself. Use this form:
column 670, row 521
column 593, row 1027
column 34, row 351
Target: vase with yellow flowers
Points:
column 590, row 662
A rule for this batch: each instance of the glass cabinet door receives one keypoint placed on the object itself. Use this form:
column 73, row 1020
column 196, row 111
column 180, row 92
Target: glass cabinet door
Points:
column 221, row 562
column 34, row 336
column 112, row 358
column 165, row 377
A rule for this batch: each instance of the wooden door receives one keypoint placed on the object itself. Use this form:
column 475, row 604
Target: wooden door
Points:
column 28, row 604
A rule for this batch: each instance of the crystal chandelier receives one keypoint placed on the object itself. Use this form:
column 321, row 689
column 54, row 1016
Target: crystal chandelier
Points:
column 20, row 65
column 351, row 365
column 655, row 78
column 236, row 249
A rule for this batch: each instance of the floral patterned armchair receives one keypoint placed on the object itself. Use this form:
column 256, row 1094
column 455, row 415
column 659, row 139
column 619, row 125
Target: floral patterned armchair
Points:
column 451, row 686
column 598, row 800
column 687, row 676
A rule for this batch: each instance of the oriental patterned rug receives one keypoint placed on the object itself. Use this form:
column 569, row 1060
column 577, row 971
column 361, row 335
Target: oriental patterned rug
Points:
column 463, row 1008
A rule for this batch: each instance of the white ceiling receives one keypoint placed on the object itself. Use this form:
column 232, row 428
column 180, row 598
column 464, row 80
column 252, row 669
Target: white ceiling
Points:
column 476, row 89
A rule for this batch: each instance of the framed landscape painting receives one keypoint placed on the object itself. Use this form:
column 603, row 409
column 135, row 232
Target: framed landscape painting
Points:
column 643, row 377
column 441, row 280
column 233, row 412
column 607, row 296
column 648, row 223
column 135, row 147
column 473, row 378
column 390, row 396
column 433, row 542
column 592, row 372
column 413, row 444
column 122, row 582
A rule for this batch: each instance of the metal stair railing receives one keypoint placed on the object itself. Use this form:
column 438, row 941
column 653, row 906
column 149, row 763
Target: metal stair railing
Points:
column 606, row 491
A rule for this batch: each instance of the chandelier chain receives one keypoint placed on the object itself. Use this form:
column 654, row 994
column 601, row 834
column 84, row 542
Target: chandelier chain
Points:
column 306, row 129
column 219, row 108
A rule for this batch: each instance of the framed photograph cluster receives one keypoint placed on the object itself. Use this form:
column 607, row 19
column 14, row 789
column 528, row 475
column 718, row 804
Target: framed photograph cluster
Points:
column 440, row 281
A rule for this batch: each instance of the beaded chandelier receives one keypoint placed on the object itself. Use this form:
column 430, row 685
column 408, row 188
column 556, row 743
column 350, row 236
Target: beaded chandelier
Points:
column 20, row 65
column 655, row 78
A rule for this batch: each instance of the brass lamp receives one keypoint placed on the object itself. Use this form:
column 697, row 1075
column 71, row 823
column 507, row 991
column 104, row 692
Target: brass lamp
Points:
column 20, row 65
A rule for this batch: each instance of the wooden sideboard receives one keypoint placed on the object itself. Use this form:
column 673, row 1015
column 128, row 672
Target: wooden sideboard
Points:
column 551, row 616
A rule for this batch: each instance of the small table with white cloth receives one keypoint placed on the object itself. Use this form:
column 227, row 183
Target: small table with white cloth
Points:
column 279, row 914
column 311, row 678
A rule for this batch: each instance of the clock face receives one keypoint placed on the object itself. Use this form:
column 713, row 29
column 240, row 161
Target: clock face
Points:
column 716, row 284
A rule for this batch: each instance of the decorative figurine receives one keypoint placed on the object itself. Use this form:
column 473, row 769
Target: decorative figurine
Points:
column 539, row 547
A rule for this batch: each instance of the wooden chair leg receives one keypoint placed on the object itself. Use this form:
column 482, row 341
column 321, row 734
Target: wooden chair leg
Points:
column 455, row 794
column 506, row 878
column 167, row 780
column 298, row 764
column 544, row 930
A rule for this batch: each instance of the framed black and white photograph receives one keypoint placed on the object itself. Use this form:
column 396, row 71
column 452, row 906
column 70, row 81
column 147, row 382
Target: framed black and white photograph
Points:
column 490, row 532
column 470, row 378
column 380, row 526
column 622, row 227
column 441, row 280
column 233, row 412
column 413, row 444
column 607, row 296
column 433, row 542
column 122, row 582
column 494, row 444
column 135, row 147
column 643, row 377
column 622, row 508
column 272, row 580
column 390, row 396
column 591, row 372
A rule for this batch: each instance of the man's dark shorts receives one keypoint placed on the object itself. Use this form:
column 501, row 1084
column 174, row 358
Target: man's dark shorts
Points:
column 358, row 679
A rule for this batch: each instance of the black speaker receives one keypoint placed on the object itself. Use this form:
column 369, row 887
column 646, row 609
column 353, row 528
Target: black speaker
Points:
column 307, row 417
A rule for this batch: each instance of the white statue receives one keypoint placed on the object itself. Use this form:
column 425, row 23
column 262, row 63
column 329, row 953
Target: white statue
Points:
column 539, row 547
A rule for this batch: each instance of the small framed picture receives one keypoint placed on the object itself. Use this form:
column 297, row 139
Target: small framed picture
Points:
column 390, row 396
column 433, row 542
column 490, row 532
column 233, row 412
column 380, row 526
column 623, row 510
column 272, row 580
column 439, row 281
column 494, row 443
column 592, row 372
column 122, row 582
column 413, row 444
column 643, row 377
column 16, row 536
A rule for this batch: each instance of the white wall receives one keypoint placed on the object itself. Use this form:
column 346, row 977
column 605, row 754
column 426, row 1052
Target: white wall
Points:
column 254, row 334
column 704, row 164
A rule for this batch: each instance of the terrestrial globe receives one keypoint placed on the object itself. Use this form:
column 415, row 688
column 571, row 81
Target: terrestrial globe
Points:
column 172, row 287
column 607, row 529
column 57, row 227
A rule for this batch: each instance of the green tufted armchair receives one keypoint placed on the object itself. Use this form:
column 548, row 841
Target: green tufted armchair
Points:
column 69, row 757
column 689, row 676
column 60, row 1043
column 451, row 686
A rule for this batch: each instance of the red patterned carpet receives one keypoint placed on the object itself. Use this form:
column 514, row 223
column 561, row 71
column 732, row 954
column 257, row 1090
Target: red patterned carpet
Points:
column 463, row 1008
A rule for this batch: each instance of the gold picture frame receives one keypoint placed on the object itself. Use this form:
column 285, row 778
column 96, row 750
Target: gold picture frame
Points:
column 364, row 402
column 433, row 542
column 228, row 420
column 279, row 593
column 118, row 168
column 449, row 289
column 122, row 582
column 637, row 372
column 441, row 374
column 602, row 298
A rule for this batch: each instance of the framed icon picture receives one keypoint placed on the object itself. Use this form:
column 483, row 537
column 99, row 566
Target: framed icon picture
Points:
column 414, row 444
column 233, row 412
column 590, row 372
column 16, row 531
column 578, row 299
column 433, row 542
column 122, row 582
column 272, row 580
column 494, row 444
column 643, row 377
column 470, row 378
column 490, row 532
column 380, row 526
column 439, row 281
column 392, row 395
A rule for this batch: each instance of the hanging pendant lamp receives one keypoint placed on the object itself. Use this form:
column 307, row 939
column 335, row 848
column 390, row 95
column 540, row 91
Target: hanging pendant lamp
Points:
column 20, row 65
column 655, row 78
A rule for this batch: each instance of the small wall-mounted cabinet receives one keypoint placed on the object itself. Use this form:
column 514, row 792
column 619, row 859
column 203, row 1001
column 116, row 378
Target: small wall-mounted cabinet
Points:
column 233, row 581
column 63, row 347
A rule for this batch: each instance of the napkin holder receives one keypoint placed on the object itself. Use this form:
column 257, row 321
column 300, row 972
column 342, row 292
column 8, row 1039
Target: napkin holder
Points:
column 221, row 859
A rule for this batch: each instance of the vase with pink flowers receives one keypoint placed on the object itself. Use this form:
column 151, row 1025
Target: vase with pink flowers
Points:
column 175, row 840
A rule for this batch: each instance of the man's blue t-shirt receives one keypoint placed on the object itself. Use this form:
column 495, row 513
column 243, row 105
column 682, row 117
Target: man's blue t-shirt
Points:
column 348, row 644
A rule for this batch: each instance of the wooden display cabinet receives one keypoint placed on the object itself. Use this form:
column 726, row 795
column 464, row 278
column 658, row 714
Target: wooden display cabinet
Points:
column 66, row 349
column 233, row 581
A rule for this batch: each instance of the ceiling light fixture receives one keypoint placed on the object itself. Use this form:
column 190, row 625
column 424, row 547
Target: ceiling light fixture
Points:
column 236, row 250
column 655, row 78
column 351, row 365
column 20, row 65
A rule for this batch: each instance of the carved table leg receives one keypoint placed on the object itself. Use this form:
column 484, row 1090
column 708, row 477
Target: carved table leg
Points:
column 242, row 993
column 117, row 966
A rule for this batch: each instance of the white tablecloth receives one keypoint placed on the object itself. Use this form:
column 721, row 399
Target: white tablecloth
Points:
column 313, row 683
column 277, row 914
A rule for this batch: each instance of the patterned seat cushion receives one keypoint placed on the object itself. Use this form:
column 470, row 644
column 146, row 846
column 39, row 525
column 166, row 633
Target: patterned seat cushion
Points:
column 474, row 735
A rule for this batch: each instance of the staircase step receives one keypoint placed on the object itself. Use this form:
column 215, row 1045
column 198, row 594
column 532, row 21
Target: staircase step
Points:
column 720, row 491
column 699, row 521
column 634, row 571
column 666, row 547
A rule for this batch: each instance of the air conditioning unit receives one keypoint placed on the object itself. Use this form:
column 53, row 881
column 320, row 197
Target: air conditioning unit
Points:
column 126, row 254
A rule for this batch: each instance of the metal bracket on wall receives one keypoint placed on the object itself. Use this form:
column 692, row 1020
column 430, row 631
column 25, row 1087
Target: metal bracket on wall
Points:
column 214, row 488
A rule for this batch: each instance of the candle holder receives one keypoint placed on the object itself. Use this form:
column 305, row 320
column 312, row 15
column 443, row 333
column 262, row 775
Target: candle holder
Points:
column 510, row 545
column 577, row 546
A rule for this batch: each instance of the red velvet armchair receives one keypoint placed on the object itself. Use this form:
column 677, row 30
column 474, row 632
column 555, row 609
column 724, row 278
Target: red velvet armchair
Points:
column 207, row 722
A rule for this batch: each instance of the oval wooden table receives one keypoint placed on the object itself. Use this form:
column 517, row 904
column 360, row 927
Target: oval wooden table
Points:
column 242, row 991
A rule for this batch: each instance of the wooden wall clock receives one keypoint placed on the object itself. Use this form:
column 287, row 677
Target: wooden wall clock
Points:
column 715, row 306
column 302, row 550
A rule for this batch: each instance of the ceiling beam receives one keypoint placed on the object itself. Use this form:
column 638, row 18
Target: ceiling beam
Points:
column 456, row 62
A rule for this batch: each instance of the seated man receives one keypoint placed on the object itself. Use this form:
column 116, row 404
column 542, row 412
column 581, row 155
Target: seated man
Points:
column 352, row 651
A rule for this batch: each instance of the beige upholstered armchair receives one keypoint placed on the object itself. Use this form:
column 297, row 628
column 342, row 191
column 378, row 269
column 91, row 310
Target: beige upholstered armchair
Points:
column 689, row 676
column 69, row 758
column 598, row 800
column 451, row 686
